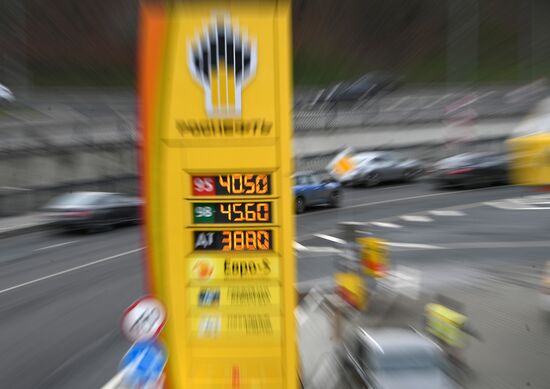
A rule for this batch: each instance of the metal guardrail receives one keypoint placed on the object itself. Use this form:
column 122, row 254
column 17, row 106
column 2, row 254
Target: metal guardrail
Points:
column 67, row 134
column 403, row 107
column 381, row 112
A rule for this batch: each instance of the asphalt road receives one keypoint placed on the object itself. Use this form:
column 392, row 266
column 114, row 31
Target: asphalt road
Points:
column 487, row 256
column 61, row 295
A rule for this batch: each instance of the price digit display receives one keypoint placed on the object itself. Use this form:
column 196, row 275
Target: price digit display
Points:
column 234, row 240
column 232, row 185
column 232, row 213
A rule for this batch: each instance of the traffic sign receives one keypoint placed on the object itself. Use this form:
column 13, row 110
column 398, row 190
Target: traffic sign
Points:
column 144, row 364
column 144, row 319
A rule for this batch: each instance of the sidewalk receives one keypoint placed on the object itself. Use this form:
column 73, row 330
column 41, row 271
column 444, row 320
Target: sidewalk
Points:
column 23, row 224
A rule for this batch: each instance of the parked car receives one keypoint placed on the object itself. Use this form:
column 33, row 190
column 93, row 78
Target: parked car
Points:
column 310, row 189
column 6, row 95
column 373, row 168
column 92, row 210
column 394, row 359
column 471, row 170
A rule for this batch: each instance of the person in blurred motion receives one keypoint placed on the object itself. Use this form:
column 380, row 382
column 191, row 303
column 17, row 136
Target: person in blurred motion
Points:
column 449, row 329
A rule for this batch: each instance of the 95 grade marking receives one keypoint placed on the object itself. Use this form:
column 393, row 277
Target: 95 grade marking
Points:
column 233, row 240
column 232, row 185
column 232, row 213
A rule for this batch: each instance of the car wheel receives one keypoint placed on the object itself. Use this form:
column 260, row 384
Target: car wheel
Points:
column 334, row 200
column 372, row 179
column 300, row 205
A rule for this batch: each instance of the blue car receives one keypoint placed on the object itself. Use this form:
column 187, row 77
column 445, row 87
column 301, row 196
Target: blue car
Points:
column 310, row 190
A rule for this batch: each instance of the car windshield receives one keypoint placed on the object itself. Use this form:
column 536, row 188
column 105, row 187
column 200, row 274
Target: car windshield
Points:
column 457, row 160
column 404, row 360
column 361, row 159
column 76, row 199
column 301, row 180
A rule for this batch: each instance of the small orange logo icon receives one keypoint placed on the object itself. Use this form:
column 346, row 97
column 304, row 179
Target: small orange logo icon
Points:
column 203, row 269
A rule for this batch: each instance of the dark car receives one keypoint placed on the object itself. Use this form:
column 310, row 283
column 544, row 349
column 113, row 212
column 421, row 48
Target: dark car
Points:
column 393, row 358
column 471, row 170
column 310, row 189
column 92, row 210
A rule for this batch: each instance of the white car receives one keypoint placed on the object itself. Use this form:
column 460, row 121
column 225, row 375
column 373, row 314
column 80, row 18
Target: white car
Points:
column 393, row 358
column 373, row 168
column 6, row 95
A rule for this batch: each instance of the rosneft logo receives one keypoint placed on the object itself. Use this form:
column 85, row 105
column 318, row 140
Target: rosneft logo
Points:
column 222, row 59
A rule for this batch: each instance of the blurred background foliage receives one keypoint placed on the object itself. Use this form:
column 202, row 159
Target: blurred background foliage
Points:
column 90, row 42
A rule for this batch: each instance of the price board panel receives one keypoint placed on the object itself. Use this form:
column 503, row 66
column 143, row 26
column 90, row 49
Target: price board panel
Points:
column 215, row 98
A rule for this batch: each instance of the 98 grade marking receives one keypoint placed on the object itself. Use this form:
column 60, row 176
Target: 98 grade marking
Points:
column 232, row 185
column 234, row 240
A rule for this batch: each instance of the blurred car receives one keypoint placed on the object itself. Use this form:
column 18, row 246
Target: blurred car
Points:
column 361, row 89
column 373, row 168
column 92, row 210
column 394, row 359
column 310, row 190
column 471, row 170
column 6, row 95
column 544, row 294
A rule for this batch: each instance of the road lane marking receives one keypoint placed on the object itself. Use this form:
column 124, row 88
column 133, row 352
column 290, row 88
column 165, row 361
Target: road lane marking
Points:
column 395, row 217
column 96, row 262
column 414, row 245
column 528, row 203
column 55, row 245
column 319, row 249
column 443, row 212
column 328, row 249
column 386, row 225
column 439, row 246
column 330, row 238
column 299, row 247
column 337, row 210
column 511, row 205
column 416, row 218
